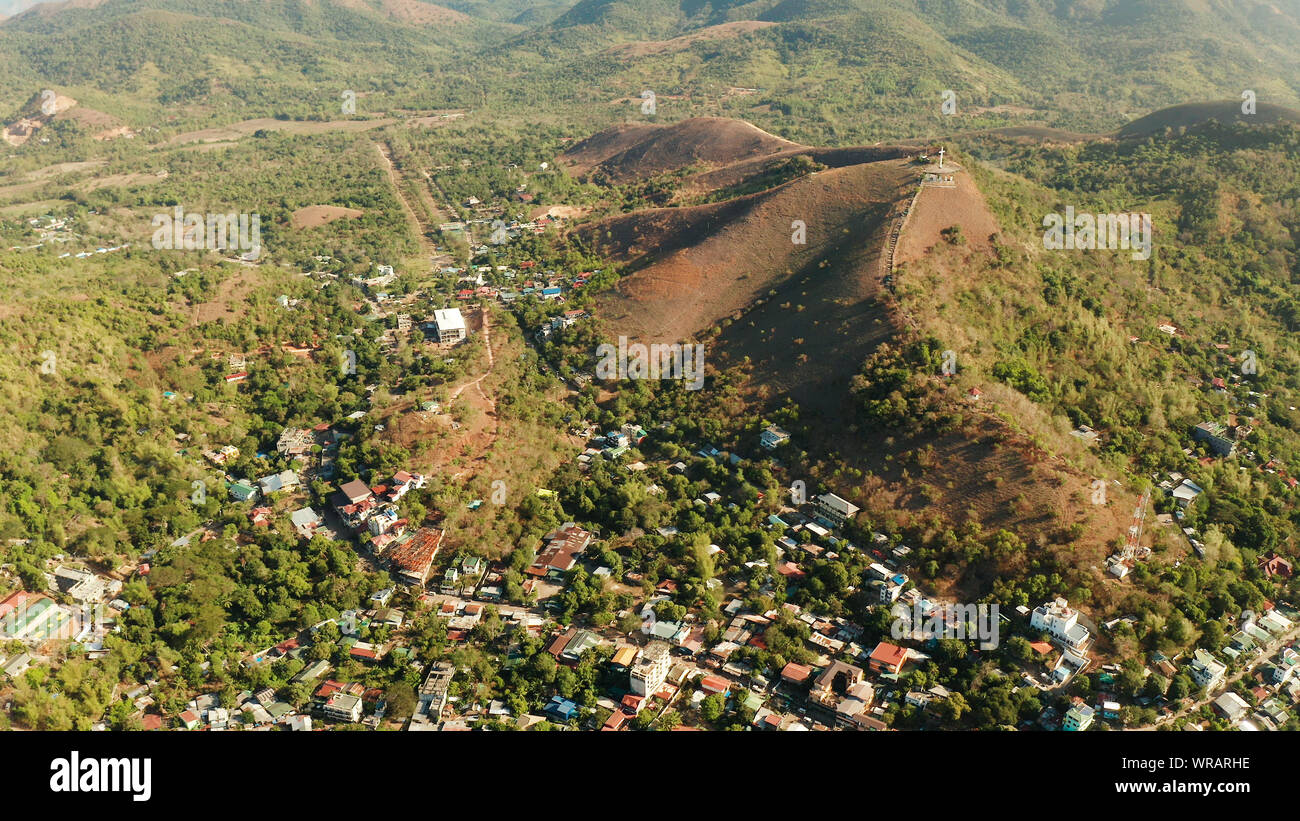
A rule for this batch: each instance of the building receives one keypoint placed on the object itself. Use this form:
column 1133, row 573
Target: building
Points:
column 1215, row 436
column 295, row 442
column 887, row 658
column 1274, row 565
column 34, row 617
column 560, row 550
column 1062, row 624
column 433, row 696
column 650, row 671
column 284, row 480
column 892, row 587
column 838, row 677
column 355, row 491
column 1078, row 718
column 773, row 438
column 411, row 558
column 1207, row 671
column 1231, row 706
column 305, row 521
column 242, row 492
column 449, row 325
column 837, row 511
column 341, row 706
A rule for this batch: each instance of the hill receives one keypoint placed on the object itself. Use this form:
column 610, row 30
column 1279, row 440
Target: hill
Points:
column 640, row 150
column 1194, row 114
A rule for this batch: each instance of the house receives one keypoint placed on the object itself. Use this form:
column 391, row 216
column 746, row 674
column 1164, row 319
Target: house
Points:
column 1078, row 718
column 313, row 671
column 1207, row 671
column 624, row 656
column 449, row 325
column 260, row 516
column 887, row 658
column 715, row 684
column 382, row 522
column 1274, row 565
column 355, row 491
column 615, row 721
column 1274, row 622
column 773, row 437
column 892, row 587
column 354, row 503
column 1061, row 623
column 1186, row 492
column 579, row 643
column 365, row 651
column 305, row 521
column 284, row 480
column 560, row 551
column 836, row 510
column 83, row 586
column 411, row 557
column 561, row 709
column 242, row 492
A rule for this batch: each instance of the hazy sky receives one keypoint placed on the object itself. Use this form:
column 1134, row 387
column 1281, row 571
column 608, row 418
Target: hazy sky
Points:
column 8, row 7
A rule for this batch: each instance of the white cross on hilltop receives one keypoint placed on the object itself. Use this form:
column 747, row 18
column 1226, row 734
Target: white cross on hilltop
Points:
column 941, row 158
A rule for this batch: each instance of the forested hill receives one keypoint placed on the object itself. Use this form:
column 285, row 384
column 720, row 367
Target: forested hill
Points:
column 822, row 72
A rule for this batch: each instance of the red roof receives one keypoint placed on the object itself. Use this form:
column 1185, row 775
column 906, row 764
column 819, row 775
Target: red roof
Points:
column 416, row 554
column 796, row 672
column 615, row 721
column 889, row 655
column 714, row 684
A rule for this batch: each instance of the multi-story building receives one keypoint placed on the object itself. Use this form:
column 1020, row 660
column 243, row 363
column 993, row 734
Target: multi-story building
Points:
column 650, row 671
column 1062, row 623
column 835, row 510
column 1207, row 671
column 1215, row 435
column 1077, row 718
column 449, row 324
column 773, row 438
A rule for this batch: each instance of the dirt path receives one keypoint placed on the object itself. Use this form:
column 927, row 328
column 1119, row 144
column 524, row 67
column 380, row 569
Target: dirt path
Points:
column 422, row 231
column 488, row 405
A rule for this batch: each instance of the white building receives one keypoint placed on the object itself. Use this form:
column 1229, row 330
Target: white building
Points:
column 773, row 438
column 1061, row 623
column 836, row 510
column 650, row 671
column 449, row 324
column 1207, row 671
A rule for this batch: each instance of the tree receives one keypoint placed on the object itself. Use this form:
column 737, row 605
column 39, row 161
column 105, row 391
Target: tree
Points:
column 400, row 700
column 711, row 708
